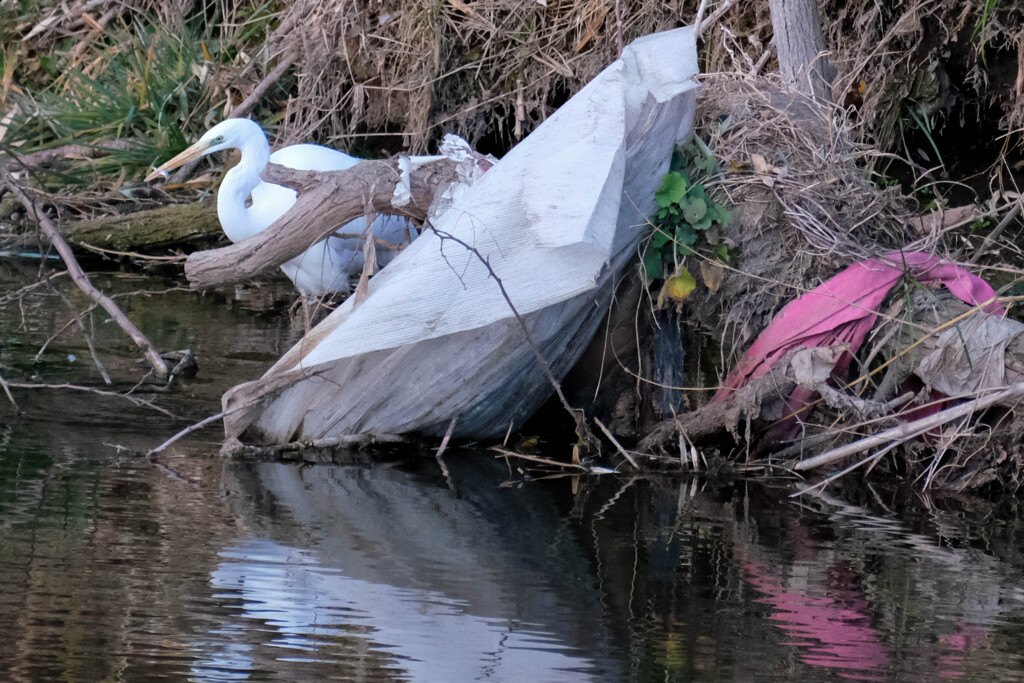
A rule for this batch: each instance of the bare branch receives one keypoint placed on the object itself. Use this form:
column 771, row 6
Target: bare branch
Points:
column 909, row 430
column 80, row 278
column 326, row 201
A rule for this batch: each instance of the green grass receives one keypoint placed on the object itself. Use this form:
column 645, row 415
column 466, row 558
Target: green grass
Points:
column 979, row 28
column 155, row 86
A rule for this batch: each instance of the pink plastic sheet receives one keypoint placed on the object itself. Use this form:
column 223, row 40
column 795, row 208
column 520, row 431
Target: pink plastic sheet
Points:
column 843, row 310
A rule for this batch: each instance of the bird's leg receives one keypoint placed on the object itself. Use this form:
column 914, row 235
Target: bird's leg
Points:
column 307, row 314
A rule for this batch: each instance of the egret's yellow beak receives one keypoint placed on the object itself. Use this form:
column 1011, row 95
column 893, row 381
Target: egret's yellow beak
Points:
column 193, row 152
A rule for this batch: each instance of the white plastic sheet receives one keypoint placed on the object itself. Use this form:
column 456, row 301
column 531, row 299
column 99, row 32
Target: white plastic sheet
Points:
column 556, row 221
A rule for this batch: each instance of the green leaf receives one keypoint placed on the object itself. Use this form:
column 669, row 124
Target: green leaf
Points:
column 721, row 251
column 673, row 188
column 724, row 216
column 686, row 235
column 660, row 239
column 702, row 224
column 652, row 264
column 694, row 210
column 703, row 163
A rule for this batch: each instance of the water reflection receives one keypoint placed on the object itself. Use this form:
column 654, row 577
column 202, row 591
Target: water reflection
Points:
column 439, row 586
column 112, row 568
column 279, row 571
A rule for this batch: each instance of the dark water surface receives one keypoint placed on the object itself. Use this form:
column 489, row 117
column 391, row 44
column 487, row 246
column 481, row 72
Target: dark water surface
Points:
column 196, row 568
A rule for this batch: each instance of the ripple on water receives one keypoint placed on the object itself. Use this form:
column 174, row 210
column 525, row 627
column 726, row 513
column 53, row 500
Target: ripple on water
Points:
column 111, row 568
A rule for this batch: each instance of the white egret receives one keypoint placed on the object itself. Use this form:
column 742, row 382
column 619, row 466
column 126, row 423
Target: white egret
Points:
column 327, row 265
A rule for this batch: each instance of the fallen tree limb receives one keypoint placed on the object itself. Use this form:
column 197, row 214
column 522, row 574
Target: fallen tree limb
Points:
column 174, row 225
column 326, row 201
column 79, row 277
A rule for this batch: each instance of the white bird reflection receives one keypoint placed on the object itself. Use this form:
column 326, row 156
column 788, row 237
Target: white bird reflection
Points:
column 317, row 614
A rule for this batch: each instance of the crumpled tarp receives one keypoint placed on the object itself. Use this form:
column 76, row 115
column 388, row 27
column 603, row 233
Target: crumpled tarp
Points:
column 841, row 312
column 556, row 220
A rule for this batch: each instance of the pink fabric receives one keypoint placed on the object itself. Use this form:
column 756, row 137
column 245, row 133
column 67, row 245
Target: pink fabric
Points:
column 843, row 310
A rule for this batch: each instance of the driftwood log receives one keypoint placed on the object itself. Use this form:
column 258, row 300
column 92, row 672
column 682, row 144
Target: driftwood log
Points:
column 326, row 200
column 177, row 225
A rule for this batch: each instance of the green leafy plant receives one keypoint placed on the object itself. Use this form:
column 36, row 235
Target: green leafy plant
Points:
column 688, row 218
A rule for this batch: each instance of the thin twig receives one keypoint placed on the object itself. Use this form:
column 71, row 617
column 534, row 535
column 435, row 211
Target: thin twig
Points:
column 625, row 454
column 445, row 440
column 700, row 16
column 996, row 232
column 582, row 430
column 716, row 15
column 184, row 432
column 131, row 254
column 440, row 452
column 92, row 390
column 873, row 458
column 241, row 110
column 505, row 453
column 28, row 288
column 10, row 396
column 51, row 338
column 76, row 318
column 253, row 99
column 619, row 42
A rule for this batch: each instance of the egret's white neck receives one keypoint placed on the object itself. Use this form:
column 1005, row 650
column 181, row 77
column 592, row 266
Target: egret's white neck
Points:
column 235, row 218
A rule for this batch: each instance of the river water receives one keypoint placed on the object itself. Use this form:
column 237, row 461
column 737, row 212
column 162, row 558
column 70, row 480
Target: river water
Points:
column 193, row 567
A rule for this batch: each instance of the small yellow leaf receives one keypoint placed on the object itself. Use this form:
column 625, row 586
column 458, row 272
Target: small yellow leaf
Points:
column 463, row 7
column 713, row 274
column 591, row 28
column 677, row 287
column 760, row 163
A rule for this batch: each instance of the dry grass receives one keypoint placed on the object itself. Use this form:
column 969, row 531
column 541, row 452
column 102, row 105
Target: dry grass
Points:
column 933, row 56
column 490, row 68
column 804, row 207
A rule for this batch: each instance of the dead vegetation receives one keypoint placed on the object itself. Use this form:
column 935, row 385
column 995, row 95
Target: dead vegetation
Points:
column 804, row 207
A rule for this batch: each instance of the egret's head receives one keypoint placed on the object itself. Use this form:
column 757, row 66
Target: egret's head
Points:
column 225, row 135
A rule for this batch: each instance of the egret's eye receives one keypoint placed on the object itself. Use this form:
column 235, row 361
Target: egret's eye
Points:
column 218, row 139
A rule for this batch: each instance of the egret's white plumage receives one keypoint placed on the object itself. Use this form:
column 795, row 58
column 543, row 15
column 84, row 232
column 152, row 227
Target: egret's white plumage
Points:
column 327, row 265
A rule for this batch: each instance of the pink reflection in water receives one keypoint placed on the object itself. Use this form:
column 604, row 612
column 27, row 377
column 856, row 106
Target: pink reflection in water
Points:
column 956, row 646
column 833, row 630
